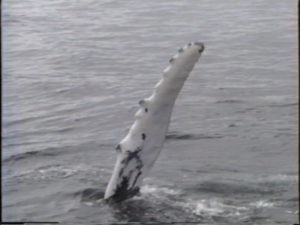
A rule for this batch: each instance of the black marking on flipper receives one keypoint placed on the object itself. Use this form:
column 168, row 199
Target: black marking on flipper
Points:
column 143, row 104
column 132, row 155
column 130, row 174
column 143, row 136
column 136, row 178
column 180, row 50
column 121, row 172
column 139, row 166
column 123, row 192
column 189, row 44
column 171, row 60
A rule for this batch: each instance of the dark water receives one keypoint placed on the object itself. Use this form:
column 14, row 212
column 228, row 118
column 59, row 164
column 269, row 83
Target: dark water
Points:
column 73, row 72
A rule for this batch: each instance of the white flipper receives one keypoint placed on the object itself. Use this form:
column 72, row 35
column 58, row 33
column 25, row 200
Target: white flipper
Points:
column 140, row 148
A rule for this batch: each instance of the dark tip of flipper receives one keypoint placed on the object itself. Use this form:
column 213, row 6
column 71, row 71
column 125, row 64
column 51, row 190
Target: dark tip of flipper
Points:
column 142, row 102
column 171, row 60
column 180, row 50
column 143, row 136
column 201, row 45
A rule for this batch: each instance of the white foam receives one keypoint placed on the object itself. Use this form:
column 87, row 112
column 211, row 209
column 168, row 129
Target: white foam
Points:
column 59, row 171
column 279, row 178
column 262, row 204
column 147, row 189
column 88, row 203
column 212, row 207
column 56, row 172
column 209, row 207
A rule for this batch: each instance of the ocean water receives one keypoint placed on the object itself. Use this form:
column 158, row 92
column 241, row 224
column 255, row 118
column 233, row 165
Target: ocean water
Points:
column 74, row 71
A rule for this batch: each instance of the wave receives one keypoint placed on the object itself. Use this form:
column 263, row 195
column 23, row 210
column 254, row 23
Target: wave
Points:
column 89, row 194
column 264, row 185
column 173, row 135
column 278, row 178
column 54, row 151
column 50, row 173
column 230, row 101
column 25, row 155
column 167, row 204
column 56, row 172
column 219, row 187
column 215, row 209
column 283, row 105
column 155, row 204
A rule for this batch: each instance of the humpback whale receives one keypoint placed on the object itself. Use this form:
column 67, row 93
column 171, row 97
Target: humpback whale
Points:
column 139, row 149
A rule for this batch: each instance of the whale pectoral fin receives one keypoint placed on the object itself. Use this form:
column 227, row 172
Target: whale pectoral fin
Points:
column 147, row 133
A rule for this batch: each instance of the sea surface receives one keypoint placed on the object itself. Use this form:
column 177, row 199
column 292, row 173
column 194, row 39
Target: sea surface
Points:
column 74, row 71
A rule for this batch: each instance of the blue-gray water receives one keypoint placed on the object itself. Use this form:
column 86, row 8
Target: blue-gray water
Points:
column 73, row 72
